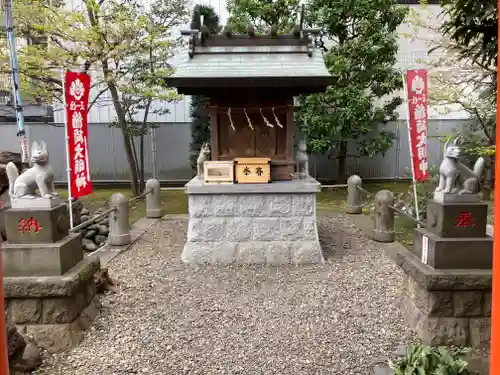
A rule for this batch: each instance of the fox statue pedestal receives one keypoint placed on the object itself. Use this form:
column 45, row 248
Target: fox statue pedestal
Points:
column 447, row 292
column 48, row 283
column 455, row 236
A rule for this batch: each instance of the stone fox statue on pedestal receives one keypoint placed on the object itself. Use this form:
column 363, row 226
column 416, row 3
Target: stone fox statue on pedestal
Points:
column 40, row 176
column 202, row 158
column 456, row 178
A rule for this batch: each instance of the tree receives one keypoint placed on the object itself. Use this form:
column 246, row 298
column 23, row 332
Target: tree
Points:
column 262, row 14
column 200, row 120
column 363, row 53
column 460, row 83
column 124, row 45
column 473, row 27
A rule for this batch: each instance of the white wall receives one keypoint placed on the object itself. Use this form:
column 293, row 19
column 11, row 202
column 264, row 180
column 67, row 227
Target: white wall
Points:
column 410, row 52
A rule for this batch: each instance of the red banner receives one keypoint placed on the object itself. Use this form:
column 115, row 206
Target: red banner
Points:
column 77, row 86
column 416, row 83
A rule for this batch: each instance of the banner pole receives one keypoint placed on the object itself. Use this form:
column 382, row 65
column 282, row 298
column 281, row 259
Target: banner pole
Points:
column 495, row 312
column 68, row 161
column 415, row 195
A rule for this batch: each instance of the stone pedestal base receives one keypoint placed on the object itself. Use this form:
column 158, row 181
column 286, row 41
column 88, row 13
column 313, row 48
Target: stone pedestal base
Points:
column 460, row 220
column 54, row 310
column 37, row 225
column 446, row 307
column 246, row 223
column 42, row 259
column 454, row 253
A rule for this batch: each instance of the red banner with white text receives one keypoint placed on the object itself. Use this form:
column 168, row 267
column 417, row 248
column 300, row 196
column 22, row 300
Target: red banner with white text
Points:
column 416, row 83
column 77, row 86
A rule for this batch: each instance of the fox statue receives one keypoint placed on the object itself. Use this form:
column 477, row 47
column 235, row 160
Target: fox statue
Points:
column 456, row 178
column 40, row 176
column 202, row 158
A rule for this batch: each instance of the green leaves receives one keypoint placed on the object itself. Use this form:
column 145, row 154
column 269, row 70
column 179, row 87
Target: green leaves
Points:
column 473, row 26
column 363, row 57
column 426, row 360
column 262, row 14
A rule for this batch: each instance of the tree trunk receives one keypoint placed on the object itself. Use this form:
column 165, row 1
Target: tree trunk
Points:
column 120, row 113
column 342, row 157
column 136, row 161
column 144, row 127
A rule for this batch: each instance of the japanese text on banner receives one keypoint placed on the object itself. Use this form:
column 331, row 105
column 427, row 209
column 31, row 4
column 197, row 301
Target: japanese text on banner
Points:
column 416, row 81
column 77, row 97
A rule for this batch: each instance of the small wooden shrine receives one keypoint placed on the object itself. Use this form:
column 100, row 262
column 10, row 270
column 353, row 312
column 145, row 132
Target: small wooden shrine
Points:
column 251, row 81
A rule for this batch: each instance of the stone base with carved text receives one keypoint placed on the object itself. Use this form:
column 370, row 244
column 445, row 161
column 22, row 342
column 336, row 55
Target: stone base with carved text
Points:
column 253, row 224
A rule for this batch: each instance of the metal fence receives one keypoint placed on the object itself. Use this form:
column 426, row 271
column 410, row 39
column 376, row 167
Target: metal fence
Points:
column 109, row 164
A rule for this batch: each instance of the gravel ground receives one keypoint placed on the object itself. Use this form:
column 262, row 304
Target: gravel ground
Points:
column 169, row 319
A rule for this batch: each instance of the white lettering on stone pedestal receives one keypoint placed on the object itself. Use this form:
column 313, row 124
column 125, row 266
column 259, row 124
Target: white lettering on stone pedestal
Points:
column 425, row 249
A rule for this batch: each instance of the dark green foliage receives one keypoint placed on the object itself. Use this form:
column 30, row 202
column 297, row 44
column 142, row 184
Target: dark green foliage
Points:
column 200, row 126
column 211, row 18
column 473, row 25
column 200, row 121
column 363, row 59
column 262, row 14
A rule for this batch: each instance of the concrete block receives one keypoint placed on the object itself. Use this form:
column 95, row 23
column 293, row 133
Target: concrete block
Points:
column 444, row 219
column 279, row 205
column 480, row 332
column 455, row 253
column 251, row 253
column 467, row 303
column 304, row 204
column 277, row 253
column 25, row 310
column 306, row 252
column 431, row 303
column 42, row 259
column 200, row 206
column 27, row 226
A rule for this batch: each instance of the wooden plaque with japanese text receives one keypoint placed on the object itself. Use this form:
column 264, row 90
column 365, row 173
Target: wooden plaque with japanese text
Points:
column 253, row 170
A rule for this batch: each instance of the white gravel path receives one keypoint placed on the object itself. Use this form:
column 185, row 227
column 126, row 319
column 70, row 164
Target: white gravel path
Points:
column 169, row 319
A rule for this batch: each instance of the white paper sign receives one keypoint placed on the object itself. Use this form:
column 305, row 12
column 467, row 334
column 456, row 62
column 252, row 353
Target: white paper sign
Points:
column 425, row 249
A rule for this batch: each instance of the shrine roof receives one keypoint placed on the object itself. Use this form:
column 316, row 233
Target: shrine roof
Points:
column 258, row 62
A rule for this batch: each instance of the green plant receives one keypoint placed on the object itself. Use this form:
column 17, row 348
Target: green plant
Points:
column 426, row 360
column 362, row 57
column 425, row 191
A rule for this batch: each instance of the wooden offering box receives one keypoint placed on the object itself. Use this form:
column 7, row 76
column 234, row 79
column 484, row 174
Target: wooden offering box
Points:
column 218, row 172
column 253, row 170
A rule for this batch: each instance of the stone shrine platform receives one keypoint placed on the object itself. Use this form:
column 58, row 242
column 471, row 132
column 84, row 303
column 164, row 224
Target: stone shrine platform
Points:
column 252, row 223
